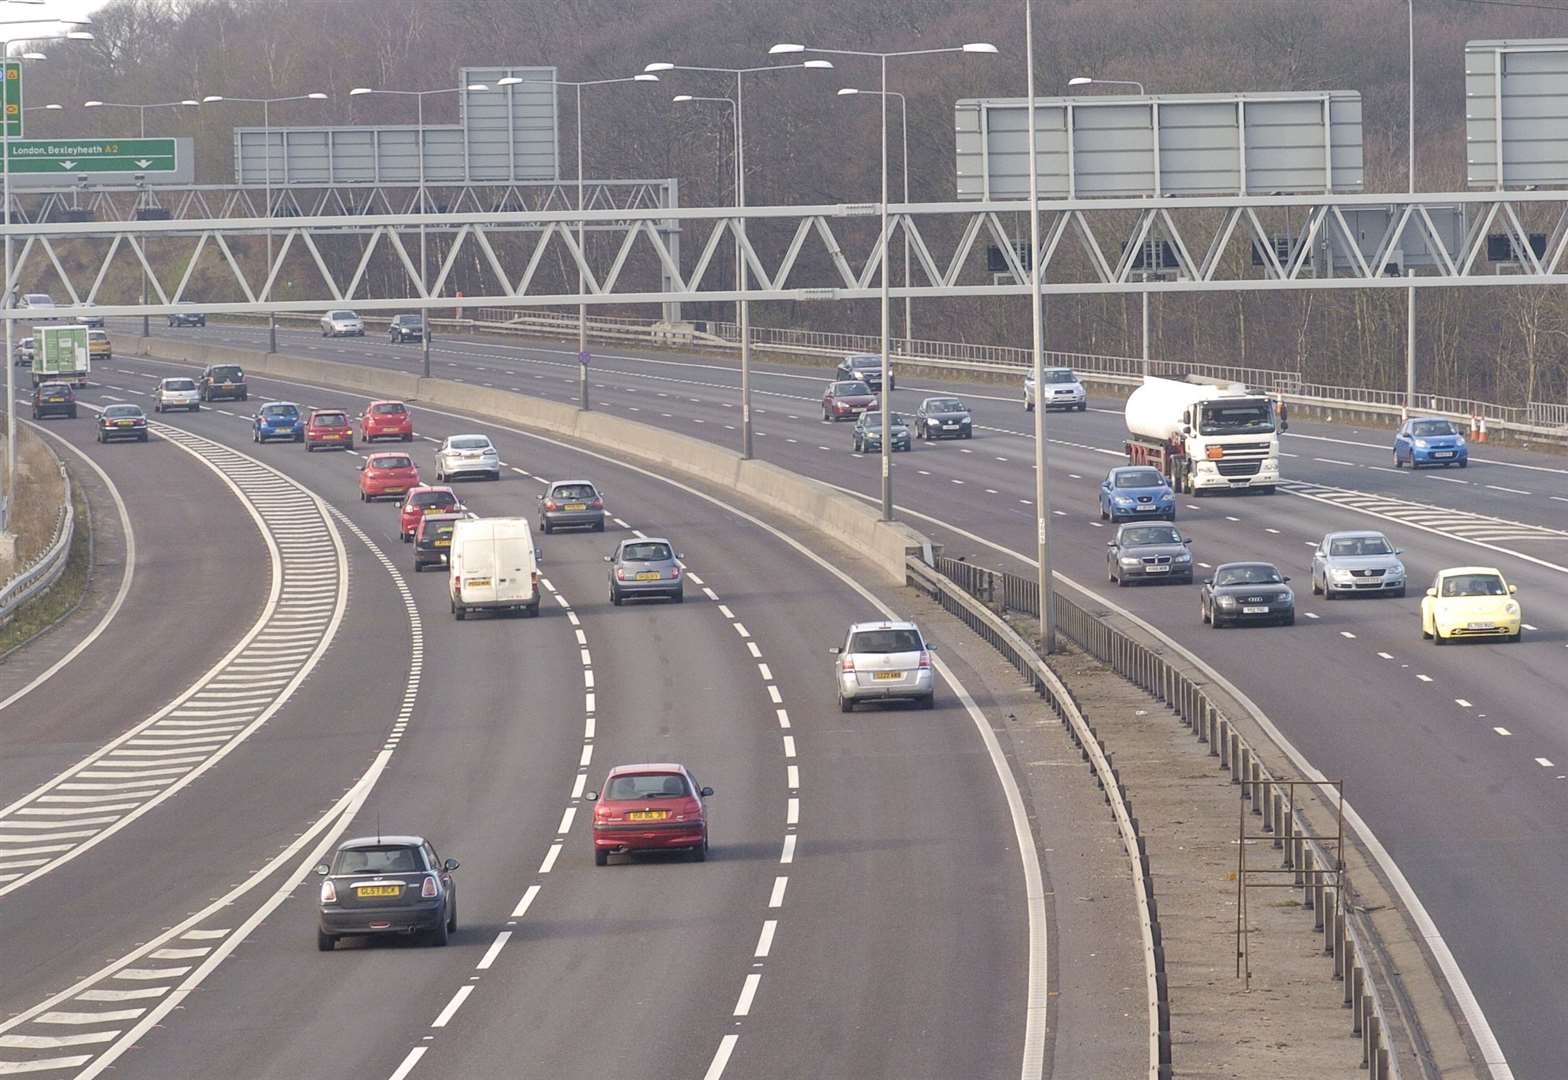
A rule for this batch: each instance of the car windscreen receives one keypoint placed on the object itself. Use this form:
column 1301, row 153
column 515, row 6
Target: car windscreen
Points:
column 227, row 373
column 97, row 335
column 341, row 315
column 647, row 786
column 378, row 860
column 851, row 389
column 1351, row 546
column 469, row 442
column 1432, row 427
column 53, row 388
column 1150, row 535
column 945, row 405
column 179, row 384
column 1473, row 585
column 885, row 641
column 1247, row 575
column 865, row 362
column 389, row 408
column 1223, row 418
column 408, row 320
column 329, row 419
column 122, row 412
column 573, row 491
column 391, row 461
column 280, row 412
column 646, row 553
column 1059, row 376
column 434, row 498
column 1138, row 478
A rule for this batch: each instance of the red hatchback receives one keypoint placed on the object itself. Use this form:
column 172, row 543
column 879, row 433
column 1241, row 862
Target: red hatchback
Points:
column 387, row 474
column 328, row 427
column 649, row 808
column 846, row 400
column 386, row 420
column 421, row 501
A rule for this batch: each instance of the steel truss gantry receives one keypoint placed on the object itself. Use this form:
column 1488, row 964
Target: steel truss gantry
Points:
column 823, row 252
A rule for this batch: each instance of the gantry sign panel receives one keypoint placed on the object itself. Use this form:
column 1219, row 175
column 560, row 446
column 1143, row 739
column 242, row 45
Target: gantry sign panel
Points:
column 1184, row 144
column 507, row 133
column 12, row 98
column 1526, row 84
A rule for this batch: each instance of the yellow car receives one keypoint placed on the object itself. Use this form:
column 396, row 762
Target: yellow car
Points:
column 1470, row 602
column 98, row 347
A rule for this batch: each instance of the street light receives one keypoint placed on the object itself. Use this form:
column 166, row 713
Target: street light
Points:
column 1084, row 80
column 903, row 123
column 419, row 98
column 266, row 129
column 8, row 300
column 582, row 306
column 983, row 48
column 740, row 232
column 142, row 109
column 1037, row 345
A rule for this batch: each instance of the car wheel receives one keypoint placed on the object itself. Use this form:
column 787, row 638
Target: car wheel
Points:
column 601, row 857
column 615, row 596
column 969, row 434
column 409, row 437
column 440, row 935
column 599, row 525
column 1397, row 463
column 679, row 597
column 1400, row 592
column 142, row 437
column 459, row 612
column 928, row 702
column 544, row 527
column 419, row 568
column 1288, row 620
column 1516, row 636
column 1465, row 464
column 451, row 920
column 1437, row 636
column 1083, row 406
column 845, row 705
column 324, row 942
column 700, row 852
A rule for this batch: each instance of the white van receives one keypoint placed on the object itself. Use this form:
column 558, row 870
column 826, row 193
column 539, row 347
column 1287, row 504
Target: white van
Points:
column 494, row 564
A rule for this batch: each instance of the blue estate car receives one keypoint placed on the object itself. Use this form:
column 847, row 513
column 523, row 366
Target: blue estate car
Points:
column 1426, row 440
column 1136, row 492
column 278, row 420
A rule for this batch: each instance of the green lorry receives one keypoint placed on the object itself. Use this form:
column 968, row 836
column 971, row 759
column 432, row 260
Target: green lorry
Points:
column 61, row 355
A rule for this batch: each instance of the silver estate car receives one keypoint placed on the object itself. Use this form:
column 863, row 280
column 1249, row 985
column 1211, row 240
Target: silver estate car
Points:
column 883, row 660
column 1062, row 391
column 467, row 455
column 1148, row 553
column 571, row 504
column 1357, row 562
column 645, row 566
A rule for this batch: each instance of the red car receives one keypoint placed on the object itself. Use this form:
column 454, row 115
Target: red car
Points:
column 386, row 420
column 387, row 474
column 421, row 501
column 649, row 808
column 846, row 400
column 328, row 427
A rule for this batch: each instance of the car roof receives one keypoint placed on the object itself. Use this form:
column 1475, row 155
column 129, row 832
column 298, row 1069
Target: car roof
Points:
column 645, row 540
column 1355, row 534
column 1117, row 470
column 294, row 404
column 384, row 840
column 558, row 483
column 327, row 409
column 646, row 767
column 1245, row 562
column 1445, row 419
column 387, row 453
column 384, row 401
column 855, row 628
column 432, row 487
column 469, row 435
column 1446, row 571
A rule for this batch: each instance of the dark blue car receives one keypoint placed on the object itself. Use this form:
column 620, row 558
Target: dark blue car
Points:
column 278, row 420
column 1426, row 440
column 1136, row 492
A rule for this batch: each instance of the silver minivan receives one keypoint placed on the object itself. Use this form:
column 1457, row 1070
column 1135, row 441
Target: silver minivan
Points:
column 884, row 660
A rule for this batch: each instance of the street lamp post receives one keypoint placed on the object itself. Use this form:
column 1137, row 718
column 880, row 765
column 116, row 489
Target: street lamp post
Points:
column 582, row 251
column 266, row 135
column 1037, row 341
column 903, row 124
column 9, row 300
column 740, row 232
column 424, row 273
column 980, row 47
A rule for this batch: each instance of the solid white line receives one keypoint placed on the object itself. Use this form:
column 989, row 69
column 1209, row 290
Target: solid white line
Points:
column 765, row 940
column 748, row 991
column 522, row 905
column 493, row 951
column 777, row 898
column 453, row 1005
column 721, row 1057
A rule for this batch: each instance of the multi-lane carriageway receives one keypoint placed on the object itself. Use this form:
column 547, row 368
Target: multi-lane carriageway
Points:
column 1459, row 768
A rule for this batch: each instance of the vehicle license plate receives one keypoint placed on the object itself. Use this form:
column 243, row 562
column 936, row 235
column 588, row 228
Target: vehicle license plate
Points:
column 1254, row 611
column 952, row 425
column 648, row 575
column 1443, row 453
column 1145, row 508
column 443, row 543
column 576, row 506
column 55, row 399
column 476, row 582
column 125, row 423
column 886, row 674
column 647, row 815
column 1478, row 626
column 363, row 891
column 1156, row 569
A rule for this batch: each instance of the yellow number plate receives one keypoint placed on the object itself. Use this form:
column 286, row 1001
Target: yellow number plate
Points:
column 648, row 575
column 886, row 674
column 363, row 891
column 476, row 582
column 444, row 543
column 647, row 815
column 575, row 506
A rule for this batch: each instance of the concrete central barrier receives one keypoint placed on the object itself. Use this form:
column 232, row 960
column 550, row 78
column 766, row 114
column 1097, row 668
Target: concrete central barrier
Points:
column 841, row 517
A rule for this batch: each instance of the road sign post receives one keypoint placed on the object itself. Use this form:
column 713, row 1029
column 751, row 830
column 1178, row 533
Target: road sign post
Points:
column 65, row 157
column 12, row 97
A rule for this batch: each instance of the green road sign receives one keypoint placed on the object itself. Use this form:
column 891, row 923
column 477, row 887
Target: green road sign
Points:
column 67, row 157
column 13, row 98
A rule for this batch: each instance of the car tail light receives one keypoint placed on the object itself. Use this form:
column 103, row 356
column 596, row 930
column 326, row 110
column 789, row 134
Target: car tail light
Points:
column 847, row 664
column 597, row 504
column 329, row 893
column 925, row 660
column 675, row 571
column 428, row 889
column 549, row 504
column 620, row 575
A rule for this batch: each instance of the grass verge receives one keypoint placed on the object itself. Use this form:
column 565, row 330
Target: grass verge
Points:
column 42, row 613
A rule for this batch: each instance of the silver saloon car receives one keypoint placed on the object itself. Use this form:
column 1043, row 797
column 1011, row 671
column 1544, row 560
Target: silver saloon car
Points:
column 467, row 455
column 1148, row 553
column 571, row 504
column 645, row 567
column 884, row 660
column 1357, row 562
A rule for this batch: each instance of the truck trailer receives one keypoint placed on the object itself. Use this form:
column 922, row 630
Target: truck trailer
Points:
column 1204, row 437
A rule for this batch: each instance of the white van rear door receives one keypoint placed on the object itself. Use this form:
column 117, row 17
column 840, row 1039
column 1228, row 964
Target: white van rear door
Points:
column 478, row 568
column 516, row 574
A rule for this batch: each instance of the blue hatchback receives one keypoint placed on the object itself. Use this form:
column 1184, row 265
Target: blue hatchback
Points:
column 1134, row 493
column 1426, row 440
column 278, row 420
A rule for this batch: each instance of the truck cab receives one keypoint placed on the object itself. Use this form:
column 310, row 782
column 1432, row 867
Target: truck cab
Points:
column 1205, row 437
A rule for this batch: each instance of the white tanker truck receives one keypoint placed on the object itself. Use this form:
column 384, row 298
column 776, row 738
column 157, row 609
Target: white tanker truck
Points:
column 1204, row 437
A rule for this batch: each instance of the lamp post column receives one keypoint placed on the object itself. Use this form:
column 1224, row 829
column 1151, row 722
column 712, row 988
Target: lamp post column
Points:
column 266, row 138
column 744, row 276
column 582, row 253
column 1037, row 334
column 886, row 401
column 10, row 328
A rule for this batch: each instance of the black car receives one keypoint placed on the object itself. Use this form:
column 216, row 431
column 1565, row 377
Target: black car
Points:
column 868, row 433
column 408, row 328
column 433, row 539
column 122, row 422
column 187, row 318
column 943, row 418
column 386, row 885
column 866, row 368
column 1148, row 553
column 1247, row 592
column 223, row 381
column 54, row 399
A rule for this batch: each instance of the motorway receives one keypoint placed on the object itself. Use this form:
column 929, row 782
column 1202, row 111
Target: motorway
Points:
column 1456, row 760
column 322, row 689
